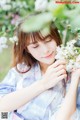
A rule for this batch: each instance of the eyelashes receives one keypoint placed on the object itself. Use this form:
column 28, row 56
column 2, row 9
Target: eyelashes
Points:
column 37, row 45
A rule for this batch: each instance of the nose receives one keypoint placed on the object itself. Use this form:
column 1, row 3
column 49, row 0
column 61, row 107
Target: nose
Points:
column 45, row 49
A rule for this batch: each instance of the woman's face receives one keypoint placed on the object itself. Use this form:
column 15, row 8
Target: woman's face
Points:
column 43, row 51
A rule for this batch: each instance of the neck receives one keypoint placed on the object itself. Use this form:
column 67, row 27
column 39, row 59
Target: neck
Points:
column 43, row 67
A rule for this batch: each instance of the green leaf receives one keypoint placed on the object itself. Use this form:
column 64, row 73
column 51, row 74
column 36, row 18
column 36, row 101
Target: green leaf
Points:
column 36, row 22
column 3, row 28
column 58, row 11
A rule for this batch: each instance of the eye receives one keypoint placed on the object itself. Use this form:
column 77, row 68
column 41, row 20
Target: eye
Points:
column 35, row 46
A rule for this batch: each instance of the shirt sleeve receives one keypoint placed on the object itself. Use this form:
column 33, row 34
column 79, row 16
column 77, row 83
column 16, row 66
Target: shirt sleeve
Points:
column 8, row 85
column 76, row 115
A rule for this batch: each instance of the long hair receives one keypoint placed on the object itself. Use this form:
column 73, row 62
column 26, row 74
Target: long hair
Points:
column 20, row 52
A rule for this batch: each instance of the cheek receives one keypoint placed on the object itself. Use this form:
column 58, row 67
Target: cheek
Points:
column 53, row 45
column 34, row 53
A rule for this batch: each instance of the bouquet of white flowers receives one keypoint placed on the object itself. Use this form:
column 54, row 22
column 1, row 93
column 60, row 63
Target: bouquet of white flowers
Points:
column 71, row 53
column 3, row 41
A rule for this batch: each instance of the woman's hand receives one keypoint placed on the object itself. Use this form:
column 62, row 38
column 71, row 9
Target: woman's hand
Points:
column 55, row 73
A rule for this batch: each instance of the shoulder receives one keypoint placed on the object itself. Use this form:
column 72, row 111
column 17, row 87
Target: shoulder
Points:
column 14, row 74
column 23, row 69
column 10, row 76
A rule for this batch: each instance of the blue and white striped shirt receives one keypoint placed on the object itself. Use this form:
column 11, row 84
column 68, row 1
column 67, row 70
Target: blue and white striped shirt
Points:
column 43, row 107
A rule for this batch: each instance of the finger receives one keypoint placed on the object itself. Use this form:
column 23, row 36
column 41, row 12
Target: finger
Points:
column 57, row 63
column 60, row 72
column 60, row 67
column 61, row 77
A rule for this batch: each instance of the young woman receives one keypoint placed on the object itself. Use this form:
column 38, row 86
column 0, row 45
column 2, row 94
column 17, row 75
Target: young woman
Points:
column 34, row 88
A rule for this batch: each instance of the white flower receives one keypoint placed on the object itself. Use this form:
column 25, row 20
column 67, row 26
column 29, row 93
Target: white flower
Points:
column 5, row 4
column 71, row 42
column 70, row 53
column 2, row 2
column 3, row 41
column 62, row 52
column 13, row 39
column 77, row 65
column 6, row 7
column 69, row 67
column 41, row 5
column 78, row 58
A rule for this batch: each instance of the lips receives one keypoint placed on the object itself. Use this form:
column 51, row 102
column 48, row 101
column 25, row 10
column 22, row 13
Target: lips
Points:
column 48, row 56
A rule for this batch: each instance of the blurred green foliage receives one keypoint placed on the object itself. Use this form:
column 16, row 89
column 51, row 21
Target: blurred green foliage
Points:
column 66, row 17
column 5, row 61
column 15, row 9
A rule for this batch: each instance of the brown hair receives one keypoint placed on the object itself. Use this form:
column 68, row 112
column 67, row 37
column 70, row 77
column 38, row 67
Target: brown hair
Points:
column 20, row 52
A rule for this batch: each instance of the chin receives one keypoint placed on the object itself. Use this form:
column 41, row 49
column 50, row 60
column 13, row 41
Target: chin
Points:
column 49, row 62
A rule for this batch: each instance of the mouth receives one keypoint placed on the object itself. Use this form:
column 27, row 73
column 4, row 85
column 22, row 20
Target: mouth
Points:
column 48, row 56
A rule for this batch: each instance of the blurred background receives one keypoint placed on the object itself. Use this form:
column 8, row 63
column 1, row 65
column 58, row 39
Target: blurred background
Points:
column 66, row 17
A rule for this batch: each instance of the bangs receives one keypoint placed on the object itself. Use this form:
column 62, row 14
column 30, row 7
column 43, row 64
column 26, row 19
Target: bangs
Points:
column 36, row 37
column 39, row 36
